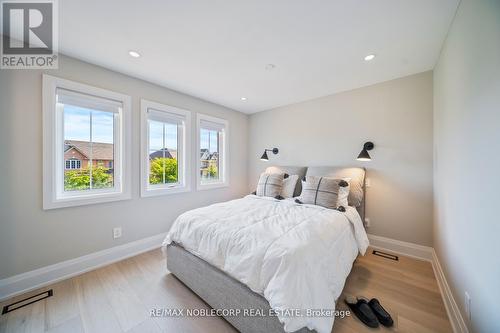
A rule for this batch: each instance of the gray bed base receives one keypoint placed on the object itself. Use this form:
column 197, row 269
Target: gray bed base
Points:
column 221, row 291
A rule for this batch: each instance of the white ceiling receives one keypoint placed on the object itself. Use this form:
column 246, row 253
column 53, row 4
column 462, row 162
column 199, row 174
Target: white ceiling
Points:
column 218, row 50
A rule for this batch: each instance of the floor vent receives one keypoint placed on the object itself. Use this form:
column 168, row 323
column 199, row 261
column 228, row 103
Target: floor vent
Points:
column 385, row 255
column 27, row 301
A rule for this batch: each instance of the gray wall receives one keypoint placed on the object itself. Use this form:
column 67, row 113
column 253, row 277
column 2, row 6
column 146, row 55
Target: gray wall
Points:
column 30, row 237
column 396, row 115
column 467, row 160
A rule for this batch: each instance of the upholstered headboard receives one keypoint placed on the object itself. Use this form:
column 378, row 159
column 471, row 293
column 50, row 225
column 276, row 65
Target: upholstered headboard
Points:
column 357, row 176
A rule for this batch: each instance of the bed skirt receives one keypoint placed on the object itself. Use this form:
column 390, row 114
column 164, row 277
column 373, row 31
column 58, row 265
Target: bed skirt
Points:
column 221, row 291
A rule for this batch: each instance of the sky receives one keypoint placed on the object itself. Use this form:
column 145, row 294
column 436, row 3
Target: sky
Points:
column 156, row 136
column 204, row 140
column 77, row 127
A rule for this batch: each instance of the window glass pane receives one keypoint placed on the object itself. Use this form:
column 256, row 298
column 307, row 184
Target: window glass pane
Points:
column 209, row 155
column 171, row 165
column 157, row 167
column 89, row 147
column 102, row 149
column 76, row 146
column 163, row 149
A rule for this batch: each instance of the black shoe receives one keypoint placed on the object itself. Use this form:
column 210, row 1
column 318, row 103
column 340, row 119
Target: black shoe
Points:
column 383, row 316
column 362, row 310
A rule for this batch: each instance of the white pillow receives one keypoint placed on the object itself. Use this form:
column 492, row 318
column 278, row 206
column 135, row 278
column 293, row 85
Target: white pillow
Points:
column 344, row 194
column 289, row 186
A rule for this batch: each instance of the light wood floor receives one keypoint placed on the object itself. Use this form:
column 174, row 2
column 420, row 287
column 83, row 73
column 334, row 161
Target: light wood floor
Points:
column 118, row 298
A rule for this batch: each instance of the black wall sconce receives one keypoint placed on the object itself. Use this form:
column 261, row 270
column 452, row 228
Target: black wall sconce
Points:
column 264, row 156
column 364, row 156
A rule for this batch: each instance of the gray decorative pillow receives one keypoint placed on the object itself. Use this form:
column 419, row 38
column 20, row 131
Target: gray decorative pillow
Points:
column 322, row 191
column 270, row 184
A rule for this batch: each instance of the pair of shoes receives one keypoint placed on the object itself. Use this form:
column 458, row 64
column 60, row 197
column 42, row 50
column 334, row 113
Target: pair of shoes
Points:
column 369, row 312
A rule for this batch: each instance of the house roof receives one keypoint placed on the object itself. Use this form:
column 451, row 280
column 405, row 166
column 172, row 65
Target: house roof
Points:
column 100, row 151
column 206, row 155
column 214, row 156
column 159, row 153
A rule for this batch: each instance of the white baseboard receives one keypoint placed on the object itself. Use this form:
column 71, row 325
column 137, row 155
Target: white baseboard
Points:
column 19, row 284
column 425, row 253
column 454, row 314
column 399, row 247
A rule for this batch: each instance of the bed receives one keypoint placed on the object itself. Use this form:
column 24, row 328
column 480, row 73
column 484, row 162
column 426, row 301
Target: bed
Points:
column 272, row 261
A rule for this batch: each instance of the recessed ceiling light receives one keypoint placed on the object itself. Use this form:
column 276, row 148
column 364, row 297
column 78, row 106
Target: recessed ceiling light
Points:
column 134, row 54
column 270, row 67
column 243, row 98
column 370, row 57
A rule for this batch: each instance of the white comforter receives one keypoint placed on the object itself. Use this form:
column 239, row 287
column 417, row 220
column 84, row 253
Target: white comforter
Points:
column 296, row 256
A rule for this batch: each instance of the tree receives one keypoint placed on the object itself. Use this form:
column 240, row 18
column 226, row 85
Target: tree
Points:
column 163, row 167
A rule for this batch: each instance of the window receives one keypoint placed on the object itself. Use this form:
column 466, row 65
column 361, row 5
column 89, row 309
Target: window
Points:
column 165, row 149
column 212, row 152
column 86, row 133
column 73, row 164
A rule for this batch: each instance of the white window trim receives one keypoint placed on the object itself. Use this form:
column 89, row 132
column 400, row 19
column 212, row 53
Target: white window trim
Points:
column 183, row 152
column 224, row 152
column 70, row 164
column 51, row 151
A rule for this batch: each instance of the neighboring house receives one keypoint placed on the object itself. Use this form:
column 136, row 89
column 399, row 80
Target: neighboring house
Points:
column 159, row 154
column 204, row 157
column 77, row 154
column 208, row 159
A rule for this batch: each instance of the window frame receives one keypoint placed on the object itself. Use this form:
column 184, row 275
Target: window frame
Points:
column 223, row 153
column 53, row 140
column 183, row 150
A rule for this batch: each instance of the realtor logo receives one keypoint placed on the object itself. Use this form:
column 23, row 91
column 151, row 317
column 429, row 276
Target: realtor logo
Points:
column 29, row 34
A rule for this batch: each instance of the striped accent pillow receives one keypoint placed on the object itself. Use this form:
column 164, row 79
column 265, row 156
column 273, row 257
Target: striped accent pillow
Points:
column 323, row 191
column 270, row 184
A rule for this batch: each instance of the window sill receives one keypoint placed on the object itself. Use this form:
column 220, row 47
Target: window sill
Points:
column 203, row 187
column 85, row 200
column 145, row 193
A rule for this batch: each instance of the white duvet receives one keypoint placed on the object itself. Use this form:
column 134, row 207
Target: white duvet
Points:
column 297, row 256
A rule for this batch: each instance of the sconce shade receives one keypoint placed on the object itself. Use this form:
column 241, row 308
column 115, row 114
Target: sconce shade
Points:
column 364, row 156
column 264, row 156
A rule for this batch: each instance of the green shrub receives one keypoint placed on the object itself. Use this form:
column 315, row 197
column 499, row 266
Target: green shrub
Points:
column 75, row 180
column 212, row 171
